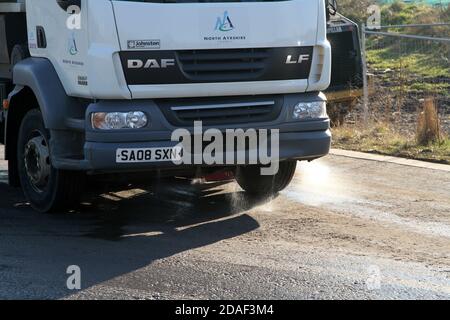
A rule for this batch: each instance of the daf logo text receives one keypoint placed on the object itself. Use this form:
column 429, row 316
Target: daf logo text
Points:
column 150, row 63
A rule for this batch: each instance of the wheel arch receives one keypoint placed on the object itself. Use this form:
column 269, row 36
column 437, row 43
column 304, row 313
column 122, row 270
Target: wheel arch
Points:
column 39, row 75
column 37, row 86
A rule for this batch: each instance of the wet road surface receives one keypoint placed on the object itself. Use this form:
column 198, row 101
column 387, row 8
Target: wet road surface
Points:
column 346, row 228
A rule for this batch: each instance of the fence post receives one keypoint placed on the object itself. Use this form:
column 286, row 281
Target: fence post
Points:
column 365, row 80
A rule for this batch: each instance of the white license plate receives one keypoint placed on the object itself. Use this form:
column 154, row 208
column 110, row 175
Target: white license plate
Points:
column 140, row 155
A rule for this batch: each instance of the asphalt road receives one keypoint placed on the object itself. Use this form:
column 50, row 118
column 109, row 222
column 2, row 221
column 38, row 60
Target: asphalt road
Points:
column 345, row 228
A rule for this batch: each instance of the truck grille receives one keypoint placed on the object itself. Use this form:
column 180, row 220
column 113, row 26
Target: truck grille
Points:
column 215, row 65
column 222, row 111
column 223, row 64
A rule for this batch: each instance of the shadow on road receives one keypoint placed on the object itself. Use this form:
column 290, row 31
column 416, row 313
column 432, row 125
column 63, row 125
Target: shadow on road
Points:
column 115, row 234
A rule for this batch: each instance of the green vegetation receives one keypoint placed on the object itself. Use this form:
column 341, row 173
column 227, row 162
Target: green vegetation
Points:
column 413, row 72
column 384, row 139
column 396, row 12
column 412, row 65
column 416, row 65
column 406, row 70
column 420, row 64
column 399, row 12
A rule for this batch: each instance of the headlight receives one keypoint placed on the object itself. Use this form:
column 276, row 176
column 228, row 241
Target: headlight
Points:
column 310, row 110
column 118, row 120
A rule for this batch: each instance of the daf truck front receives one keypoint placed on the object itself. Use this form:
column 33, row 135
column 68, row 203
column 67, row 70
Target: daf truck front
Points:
column 99, row 87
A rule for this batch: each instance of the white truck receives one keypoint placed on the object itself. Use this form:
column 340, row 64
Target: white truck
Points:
column 97, row 87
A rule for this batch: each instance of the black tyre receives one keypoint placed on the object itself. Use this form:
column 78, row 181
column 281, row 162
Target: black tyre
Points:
column 251, row 180
column 46, row 188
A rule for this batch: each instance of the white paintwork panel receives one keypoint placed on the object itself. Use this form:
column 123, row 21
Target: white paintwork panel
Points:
column 66, row 48
column 84, row 57
column 87, row 59
column 193, row 25
column 104, row 68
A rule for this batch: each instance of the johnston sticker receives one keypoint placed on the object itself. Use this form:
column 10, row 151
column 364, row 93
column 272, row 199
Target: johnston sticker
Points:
column 144, row 44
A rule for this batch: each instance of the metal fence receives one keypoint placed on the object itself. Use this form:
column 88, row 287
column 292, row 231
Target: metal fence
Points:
column 406, row 64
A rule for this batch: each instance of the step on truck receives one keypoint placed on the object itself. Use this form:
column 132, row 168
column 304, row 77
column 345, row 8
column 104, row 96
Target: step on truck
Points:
column 106, row 87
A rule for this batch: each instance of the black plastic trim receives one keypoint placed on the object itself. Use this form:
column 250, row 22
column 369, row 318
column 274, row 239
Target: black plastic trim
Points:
column 216, row 65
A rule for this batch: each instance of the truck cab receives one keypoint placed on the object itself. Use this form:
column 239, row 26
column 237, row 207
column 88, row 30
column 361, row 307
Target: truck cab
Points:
column 102, row 87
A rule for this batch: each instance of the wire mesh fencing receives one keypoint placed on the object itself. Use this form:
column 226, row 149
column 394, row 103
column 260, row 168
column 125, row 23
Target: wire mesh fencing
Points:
column 408, row 67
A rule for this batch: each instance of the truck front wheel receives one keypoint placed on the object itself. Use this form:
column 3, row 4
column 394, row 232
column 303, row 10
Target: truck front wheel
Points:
column 46, row 188
column 251, row 180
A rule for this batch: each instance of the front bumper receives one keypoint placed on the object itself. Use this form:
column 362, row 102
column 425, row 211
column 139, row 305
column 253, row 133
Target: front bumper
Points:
column 299, row 140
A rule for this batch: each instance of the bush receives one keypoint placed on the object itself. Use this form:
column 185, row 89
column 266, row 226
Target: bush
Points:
column 355, row 10
column 395, row 13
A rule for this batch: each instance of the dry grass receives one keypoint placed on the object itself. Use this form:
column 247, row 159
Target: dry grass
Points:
column 383, row 138
column 428, row 127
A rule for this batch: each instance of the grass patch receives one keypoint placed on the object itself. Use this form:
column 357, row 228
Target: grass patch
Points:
column 416, row 72
column 423, row 89
column 383, row 139
column 424, row 65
